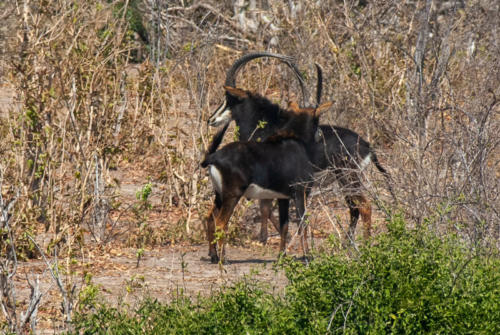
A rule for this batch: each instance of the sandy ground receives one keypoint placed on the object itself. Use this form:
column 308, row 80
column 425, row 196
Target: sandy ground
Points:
column 162, row 273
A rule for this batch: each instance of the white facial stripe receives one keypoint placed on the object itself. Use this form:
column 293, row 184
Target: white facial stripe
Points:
column 222, row 118
column 216, row 177
column 365, row 161
column 221, row 108
column 256, row 192
column 221, row 115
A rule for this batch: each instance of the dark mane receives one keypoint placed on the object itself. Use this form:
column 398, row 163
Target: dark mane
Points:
column 268, row 109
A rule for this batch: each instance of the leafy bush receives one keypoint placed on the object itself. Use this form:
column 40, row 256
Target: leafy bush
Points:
column 406, row 281
column 409, row 281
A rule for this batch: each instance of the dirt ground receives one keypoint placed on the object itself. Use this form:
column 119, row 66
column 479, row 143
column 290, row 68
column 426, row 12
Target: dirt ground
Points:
column 162, row 273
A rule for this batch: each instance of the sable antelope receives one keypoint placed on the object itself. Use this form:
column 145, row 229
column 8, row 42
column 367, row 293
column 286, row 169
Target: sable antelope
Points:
column 277, row 168
column 253, row 110
column 340, row 151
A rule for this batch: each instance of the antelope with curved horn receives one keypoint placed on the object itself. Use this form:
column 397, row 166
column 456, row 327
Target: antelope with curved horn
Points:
column 340, row 150
column 253, row 110
column 277, row 168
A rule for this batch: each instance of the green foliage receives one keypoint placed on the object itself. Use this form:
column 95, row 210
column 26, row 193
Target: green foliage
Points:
column 405, row 282
column 236, row 136
column 88, row 295
column 143, row 195
column 141, row 212
column 32, row 117
column 262, row 124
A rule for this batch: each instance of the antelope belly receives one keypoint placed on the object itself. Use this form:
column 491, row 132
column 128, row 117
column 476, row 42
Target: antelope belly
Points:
column 256, row 192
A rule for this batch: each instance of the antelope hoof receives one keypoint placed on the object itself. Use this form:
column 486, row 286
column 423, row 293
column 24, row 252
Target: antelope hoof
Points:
column 214, row 259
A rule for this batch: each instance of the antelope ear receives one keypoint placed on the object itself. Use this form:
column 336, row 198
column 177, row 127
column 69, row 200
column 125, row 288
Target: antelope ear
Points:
column 322, row 108
column 236, row 92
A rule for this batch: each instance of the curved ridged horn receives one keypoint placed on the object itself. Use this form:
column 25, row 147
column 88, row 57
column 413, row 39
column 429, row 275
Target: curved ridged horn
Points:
column 319, row 87
column 238, row 64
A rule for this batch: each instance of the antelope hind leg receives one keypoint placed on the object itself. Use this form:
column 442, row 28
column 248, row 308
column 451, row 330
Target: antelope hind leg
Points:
column 221, row 222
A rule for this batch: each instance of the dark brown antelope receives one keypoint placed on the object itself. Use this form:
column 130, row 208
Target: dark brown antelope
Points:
column 277, row 168
column 340, row 151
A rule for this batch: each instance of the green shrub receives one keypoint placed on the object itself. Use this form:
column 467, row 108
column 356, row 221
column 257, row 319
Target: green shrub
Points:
column 405, row 282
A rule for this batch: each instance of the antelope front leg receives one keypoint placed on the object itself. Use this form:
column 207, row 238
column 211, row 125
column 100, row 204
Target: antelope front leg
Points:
column 283, row 205
column 266, row 212
column 300, row 204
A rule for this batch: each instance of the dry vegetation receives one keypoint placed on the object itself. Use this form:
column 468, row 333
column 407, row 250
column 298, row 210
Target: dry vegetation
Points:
column 104, row 107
